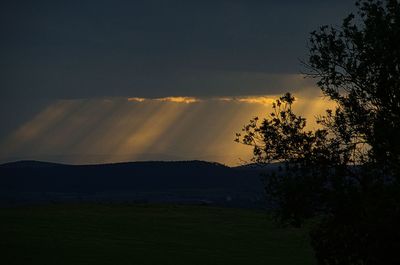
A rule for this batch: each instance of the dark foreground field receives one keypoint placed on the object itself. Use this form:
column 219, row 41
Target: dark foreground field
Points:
column 146, row 234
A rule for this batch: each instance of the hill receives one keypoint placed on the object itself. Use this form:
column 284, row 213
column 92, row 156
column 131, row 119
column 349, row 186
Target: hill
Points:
column 196, row 182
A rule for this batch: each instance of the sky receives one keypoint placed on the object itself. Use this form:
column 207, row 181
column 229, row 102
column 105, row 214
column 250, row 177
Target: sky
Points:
column 109, row 81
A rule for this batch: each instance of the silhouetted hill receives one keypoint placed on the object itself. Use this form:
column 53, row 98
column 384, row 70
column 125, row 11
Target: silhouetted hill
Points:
column 260, row 167
column 180, row 181
column 29, row 164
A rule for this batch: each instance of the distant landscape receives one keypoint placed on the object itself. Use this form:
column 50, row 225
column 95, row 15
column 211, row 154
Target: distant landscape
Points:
column 182, row 182
column 183, row 212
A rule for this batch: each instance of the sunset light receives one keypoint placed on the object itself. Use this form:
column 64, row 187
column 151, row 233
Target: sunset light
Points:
column 200, row 132
column 141, row 128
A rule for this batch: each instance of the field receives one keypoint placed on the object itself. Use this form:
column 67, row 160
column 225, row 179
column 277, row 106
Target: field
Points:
column 146, row 234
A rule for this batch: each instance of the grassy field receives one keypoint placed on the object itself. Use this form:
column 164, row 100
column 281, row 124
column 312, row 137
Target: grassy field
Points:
column 146, row 234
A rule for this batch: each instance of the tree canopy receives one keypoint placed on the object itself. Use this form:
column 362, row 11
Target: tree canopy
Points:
column 346, row 174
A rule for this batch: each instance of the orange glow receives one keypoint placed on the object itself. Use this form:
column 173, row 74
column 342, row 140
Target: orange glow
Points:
column 166, row 99
column 134, row 99
column 257, row 100
column 115, row 129
column 179, row 99
column 263, row 100
column 150, row 131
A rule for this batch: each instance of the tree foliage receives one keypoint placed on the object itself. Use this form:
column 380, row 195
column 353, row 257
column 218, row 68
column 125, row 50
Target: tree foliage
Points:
column 346, row 173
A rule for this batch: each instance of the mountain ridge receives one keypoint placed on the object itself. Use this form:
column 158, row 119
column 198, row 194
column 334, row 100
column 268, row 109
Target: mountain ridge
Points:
column 153, row 181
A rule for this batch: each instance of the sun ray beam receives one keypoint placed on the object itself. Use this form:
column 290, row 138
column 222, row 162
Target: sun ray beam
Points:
column 126, row 129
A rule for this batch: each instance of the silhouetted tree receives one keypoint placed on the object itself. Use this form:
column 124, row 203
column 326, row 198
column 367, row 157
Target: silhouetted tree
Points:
column 346, row 173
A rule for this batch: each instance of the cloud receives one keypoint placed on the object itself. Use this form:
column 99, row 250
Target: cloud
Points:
column 263, row 100
column 186, row 100
column 179, row 99
column 136, row 99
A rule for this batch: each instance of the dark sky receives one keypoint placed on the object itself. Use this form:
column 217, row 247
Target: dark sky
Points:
column 85, row 49
column 67, row 69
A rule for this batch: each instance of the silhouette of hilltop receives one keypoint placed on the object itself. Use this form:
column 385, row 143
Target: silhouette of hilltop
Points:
column 196, row 182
